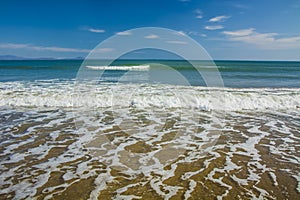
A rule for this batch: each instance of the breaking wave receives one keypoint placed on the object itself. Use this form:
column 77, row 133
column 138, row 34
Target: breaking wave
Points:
column 68, row 94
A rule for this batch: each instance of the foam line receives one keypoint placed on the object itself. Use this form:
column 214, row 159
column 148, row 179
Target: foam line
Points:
column 126, row 68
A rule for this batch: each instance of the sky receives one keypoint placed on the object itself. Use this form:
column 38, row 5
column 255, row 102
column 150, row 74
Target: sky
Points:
column 227, row 29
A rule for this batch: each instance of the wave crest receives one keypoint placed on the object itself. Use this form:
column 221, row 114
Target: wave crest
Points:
column 66, row 94
column 126, row 68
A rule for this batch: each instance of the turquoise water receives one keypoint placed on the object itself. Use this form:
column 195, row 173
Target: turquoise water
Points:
column 236, row 74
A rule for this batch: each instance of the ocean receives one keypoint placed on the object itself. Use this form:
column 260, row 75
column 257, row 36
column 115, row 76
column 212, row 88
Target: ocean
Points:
column 235, row 74
column 149, row 129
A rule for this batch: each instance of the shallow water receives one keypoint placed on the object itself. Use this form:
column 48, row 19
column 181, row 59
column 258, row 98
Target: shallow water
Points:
column 104, row 154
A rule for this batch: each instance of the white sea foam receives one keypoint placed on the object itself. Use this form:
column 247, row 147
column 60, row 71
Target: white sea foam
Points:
column 76, row 167
column 297, row 177
column 126, row 68
column 68, row 95
column 273, row 176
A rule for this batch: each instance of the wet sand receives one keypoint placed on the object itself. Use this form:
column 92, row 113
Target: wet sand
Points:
column 59, row 154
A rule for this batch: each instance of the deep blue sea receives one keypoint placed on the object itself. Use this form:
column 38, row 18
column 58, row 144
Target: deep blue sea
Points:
column 236, row 74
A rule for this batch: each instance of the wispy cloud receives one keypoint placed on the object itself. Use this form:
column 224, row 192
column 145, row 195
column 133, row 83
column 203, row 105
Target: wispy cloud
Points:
column 124, row 33
column 250, row 36
column 103, row 50
column 242, row 32
column 221, row 18
column 212, row 28
column 196, row 33
column 289, row 39
column 42, row 48
column 179, row 33
column 184, row 0
column 93, row 30
column 176, row 42
column 13, row 46
column 199, row 14
column 263, row 40
column 151, row 36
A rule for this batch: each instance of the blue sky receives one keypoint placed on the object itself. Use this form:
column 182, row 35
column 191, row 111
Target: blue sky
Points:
column 227, row 29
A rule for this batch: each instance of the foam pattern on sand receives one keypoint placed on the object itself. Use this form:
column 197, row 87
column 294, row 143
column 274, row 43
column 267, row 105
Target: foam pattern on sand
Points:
column 133, row 153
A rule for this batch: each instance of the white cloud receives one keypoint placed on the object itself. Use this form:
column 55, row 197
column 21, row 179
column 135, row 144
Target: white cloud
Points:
column 256, row 38
column 263, row 40
column 179, row 33
column 176, row 42
column 58, row 49
column 242, row 32
column 289, row 39
column 151, row 36
column 211, row 28
column 250, row 36
column 124, row 33
column 221, row 18
column 41, row 48
column 197, row 33
column 14, row 46
column 93, row 30
column 104, row 50
column 199, row 14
